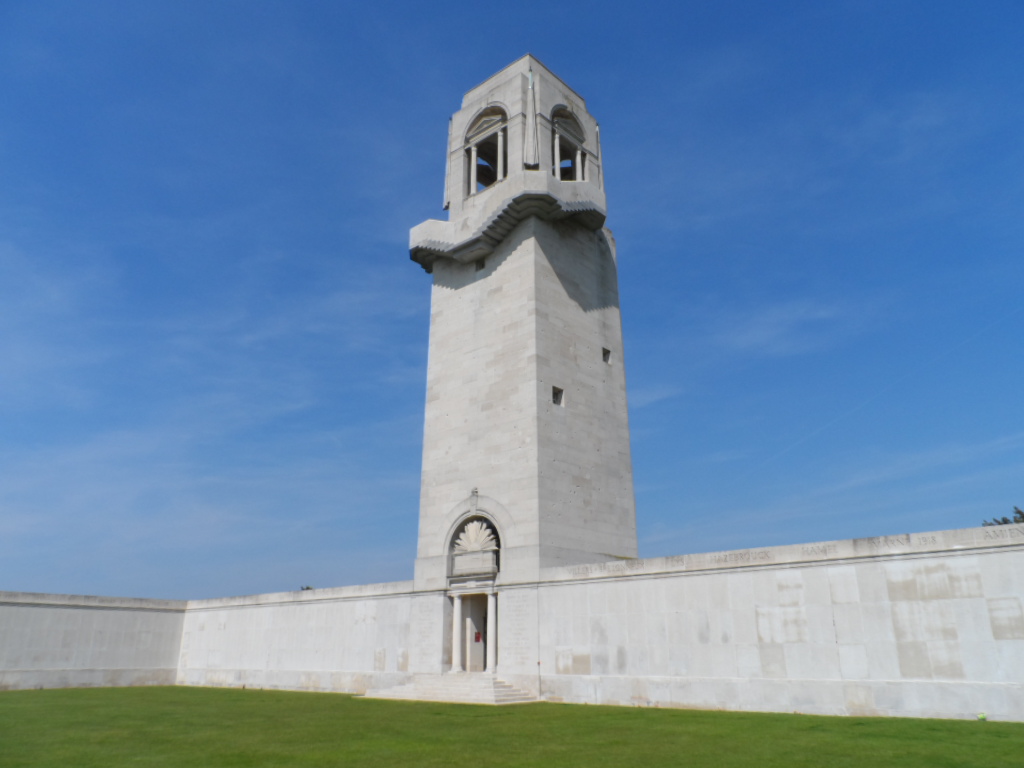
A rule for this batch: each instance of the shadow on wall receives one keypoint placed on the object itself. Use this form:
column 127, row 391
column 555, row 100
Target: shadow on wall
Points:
column 594, row 284
column 454, row 275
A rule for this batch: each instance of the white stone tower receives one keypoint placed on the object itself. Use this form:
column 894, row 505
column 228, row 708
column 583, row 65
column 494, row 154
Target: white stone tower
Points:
column 526, row 460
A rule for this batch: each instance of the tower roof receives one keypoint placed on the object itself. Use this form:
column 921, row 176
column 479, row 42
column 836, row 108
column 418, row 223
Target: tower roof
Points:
column 520, row 66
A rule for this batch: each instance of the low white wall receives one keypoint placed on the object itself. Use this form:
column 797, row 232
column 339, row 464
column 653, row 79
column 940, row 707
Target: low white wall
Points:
column 928, row 625
column 923, row 625
column 342, row 639
column 70, row 641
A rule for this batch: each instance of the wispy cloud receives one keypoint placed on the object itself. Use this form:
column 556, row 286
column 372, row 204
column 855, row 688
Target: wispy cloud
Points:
column 151, row 496
column 893, row 156
column 644, row 396
column 789, row 328
column 920, row 127
column 956, row 485
column 46, row 326
column 202, row 432
column 933, row 462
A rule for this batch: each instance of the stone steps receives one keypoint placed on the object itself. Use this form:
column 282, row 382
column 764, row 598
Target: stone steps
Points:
column 455, row 687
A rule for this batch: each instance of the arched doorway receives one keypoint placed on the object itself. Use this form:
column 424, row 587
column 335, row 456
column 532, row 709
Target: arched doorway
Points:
column 474, row 562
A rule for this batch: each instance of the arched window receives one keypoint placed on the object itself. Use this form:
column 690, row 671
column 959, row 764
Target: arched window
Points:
column 570, row 160
column 486, row 150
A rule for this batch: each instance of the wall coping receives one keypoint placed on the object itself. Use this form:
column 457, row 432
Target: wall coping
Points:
column 951, row 542
column 42, row 599
column 385, row 589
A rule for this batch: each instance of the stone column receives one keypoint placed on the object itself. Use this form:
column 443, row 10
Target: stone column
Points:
column 492, row 632
column 501, row 154
column 457, row 631
column 472, row 170
column 579, row 165
column 558, row 157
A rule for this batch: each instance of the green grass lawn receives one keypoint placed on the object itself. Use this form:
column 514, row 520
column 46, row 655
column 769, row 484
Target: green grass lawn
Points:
column 205, row 727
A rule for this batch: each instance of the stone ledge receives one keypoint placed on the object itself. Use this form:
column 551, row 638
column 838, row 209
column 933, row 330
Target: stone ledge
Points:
column 434, row 239
column 327, row 594
column 958, row 541
column 41, row 599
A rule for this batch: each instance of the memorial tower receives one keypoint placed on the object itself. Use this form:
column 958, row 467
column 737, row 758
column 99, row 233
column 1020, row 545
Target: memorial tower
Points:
column 526, row 460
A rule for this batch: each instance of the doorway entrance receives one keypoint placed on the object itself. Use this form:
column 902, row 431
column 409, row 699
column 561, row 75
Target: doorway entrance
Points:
column 474, row 633
column 474, row 608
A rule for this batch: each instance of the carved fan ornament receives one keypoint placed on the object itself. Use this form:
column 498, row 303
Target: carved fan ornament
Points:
column 476, row 536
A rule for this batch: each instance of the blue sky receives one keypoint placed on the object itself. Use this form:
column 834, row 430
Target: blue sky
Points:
column 213, row 343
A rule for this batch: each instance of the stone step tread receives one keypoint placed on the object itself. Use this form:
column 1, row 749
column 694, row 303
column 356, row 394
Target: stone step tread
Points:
column 455, row 688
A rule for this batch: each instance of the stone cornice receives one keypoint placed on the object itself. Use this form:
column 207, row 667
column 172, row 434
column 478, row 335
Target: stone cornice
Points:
column 463, row 242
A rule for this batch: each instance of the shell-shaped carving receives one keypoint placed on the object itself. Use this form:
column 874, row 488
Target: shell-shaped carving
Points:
column 476, row 536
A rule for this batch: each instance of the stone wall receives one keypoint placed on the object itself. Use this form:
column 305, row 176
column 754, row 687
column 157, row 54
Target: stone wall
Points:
column 923, row 625
column 342, row 639
column 70, row 641
column 928, row 625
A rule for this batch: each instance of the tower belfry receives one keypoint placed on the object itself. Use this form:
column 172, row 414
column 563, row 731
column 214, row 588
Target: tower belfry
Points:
column 526, row 460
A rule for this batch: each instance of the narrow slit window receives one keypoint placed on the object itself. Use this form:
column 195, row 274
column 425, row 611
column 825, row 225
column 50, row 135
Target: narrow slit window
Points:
column 606, row 354
column 556, row 395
